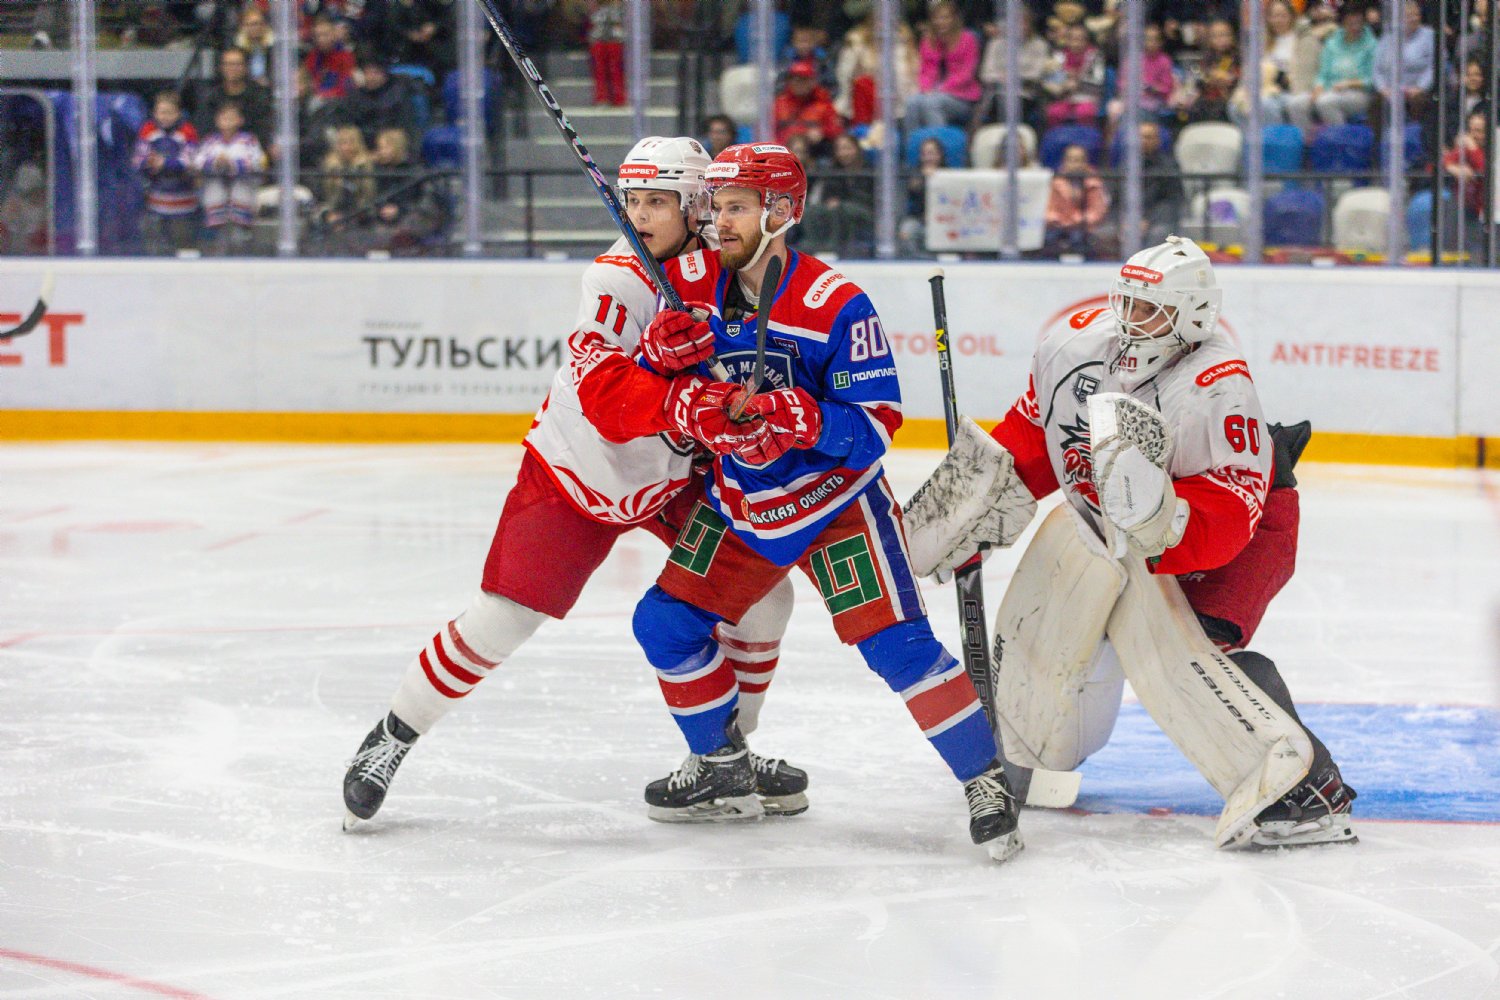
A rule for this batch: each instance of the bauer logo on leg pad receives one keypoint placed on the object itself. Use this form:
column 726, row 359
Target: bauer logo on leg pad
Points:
column 846, row 576
column 698, row 541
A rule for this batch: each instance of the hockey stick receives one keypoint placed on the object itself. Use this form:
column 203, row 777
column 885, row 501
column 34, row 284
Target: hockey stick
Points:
column 606, row 194
column 768, row 284
column 37, row 312
column 1052, row 789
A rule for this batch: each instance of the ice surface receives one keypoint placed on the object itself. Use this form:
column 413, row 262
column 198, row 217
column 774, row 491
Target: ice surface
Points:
column 193, row 640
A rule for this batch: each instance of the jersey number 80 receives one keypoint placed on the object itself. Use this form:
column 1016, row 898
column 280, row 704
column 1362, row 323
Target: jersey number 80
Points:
column 867, row 340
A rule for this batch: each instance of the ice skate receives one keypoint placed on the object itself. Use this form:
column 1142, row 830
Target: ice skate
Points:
column 374, row 767
column 781, row 788
column 994, row 814
column 717, row 787
column 1315, row 812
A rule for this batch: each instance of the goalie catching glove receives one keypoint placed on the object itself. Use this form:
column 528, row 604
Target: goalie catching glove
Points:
column 1131, row 449
column 972, row 501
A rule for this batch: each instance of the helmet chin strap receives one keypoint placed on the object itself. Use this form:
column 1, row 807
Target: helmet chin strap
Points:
column 766, row 236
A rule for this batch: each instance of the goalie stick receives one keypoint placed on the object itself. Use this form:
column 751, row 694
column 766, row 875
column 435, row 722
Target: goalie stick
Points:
column 533, row 78
column 37, row 312
column 1051, row 789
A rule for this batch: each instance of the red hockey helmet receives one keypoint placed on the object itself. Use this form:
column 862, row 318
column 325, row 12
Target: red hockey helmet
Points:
column 767, row 167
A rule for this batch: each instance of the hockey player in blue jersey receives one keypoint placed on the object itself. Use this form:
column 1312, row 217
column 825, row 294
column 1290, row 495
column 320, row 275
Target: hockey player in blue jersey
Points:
column 796, row 481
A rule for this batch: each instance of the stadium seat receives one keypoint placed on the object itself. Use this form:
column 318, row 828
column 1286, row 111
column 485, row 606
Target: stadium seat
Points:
column 1294, row 218
column 489, row 106
column 422, row 84
column 1210, row 148
column 442, row 147
column 1058, row 139
column 1359, row 219
column 737, row 93
column 1117, row 147
column 988, row 146
column 1218, row 217
column 744, row 36
column 1414, row 148
column 1342, row 149
column 953, row 138
column 1419, row 220
column 1282, row 148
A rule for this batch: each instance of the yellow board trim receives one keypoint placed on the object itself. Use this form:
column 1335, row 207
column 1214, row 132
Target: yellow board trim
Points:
column 70, row 425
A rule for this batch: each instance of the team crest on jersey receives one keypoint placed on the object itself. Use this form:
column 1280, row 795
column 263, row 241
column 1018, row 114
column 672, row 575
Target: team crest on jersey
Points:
column 790, row 346
column 741, row 365
column 1078, row 461
column 1084, row 387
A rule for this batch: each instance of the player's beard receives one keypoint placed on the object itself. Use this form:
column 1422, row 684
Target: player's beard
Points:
column 736, row 259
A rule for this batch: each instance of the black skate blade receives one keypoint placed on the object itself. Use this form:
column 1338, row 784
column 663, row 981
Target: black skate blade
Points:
column 738, row 809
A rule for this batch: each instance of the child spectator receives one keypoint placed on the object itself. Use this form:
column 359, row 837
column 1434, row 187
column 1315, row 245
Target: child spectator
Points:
column 804, row 108
column 1205, row 97
column 348, row 185
column 1034, row 57
column 1075, row 80
column 329, row 62
column 607, row 50
column 1464, row 166
column 165, row 150
column 1076, row 207
column 1345, row 78
column 25, row 214
column 256, row 39
column 858, row 71
column 231, row 161
column 233, row 83
column 1158, row 80
column 807, row 45
column 930, row 157
column 407, row 213
column 948, row 82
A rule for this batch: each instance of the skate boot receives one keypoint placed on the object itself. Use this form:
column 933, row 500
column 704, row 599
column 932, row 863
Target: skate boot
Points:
column 1315, row 812
column 781, row 788
column 716, row 787
column 373, row 768
column 994, row 814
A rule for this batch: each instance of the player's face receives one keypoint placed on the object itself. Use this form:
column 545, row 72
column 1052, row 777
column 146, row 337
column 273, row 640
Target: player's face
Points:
column 657, row 216
column 1149, row 319
column 737, row 218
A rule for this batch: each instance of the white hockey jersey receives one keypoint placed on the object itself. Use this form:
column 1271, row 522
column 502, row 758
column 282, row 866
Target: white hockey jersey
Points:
column 1222, row 453
column 617, row 482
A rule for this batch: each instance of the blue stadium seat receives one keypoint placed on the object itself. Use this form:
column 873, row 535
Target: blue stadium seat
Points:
column 1294, row 217
column 1056, row 140
column 421, row 83
column 1414, row 147
column 744, row 133
column 489, row 104
column 955, row 144
column 1282, row 147
column 1419, row 220
column 442, row 147
column 744, row 35
column 1341, row 148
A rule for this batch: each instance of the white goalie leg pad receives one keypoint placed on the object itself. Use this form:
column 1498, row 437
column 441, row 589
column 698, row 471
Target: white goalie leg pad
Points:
column 1248, row 748
column 973, row 499
column 1048, row 634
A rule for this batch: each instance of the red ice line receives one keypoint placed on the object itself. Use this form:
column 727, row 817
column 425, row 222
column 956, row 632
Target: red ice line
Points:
column 93, row 972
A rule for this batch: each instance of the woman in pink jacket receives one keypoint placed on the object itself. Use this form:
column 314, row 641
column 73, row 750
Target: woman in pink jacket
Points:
column 948, row 80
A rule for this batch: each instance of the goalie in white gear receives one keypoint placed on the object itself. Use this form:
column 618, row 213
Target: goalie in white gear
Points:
column 1179, row 528
column 600, row 459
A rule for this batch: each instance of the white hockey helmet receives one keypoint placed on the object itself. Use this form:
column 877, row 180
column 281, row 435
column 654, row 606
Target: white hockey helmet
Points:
column 660, row 163
column 1176, row 278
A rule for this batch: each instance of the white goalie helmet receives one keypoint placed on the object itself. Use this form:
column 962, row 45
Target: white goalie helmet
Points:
column 1175, row 278
column 661, row 163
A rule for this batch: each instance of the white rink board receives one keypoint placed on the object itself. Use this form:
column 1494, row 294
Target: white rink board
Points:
column 1365, row 351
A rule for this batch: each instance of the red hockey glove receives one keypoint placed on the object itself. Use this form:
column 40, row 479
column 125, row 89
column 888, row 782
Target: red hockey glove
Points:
column 700, row 409
column 781, row 420
column 675, row 341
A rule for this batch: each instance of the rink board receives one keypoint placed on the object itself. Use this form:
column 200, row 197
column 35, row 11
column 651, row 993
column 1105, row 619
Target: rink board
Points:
column 1406, row 762
column 1388, row 365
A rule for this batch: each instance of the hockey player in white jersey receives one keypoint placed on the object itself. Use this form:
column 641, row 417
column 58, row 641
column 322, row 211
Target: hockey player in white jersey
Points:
column 600, row 459
column 1177, row 530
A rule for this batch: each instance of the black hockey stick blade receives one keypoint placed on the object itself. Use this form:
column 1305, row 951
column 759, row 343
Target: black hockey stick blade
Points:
column 768, row 284
column 37, row 312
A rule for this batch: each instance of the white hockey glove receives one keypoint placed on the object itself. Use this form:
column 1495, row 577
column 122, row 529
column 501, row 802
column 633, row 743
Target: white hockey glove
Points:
column 1131, row 449
column 973, row 500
